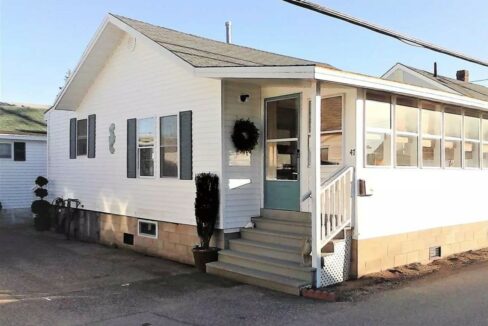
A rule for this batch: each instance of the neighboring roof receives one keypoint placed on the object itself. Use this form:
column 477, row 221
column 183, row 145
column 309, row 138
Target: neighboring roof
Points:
column 21, row 120
column 464, row 88
column 203, row 52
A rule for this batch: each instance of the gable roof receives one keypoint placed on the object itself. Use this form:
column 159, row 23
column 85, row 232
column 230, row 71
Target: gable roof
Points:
column 20, row 120
column 202, row 52
column 464, row 88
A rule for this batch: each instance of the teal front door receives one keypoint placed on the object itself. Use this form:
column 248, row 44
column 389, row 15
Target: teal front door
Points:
column 282, row 153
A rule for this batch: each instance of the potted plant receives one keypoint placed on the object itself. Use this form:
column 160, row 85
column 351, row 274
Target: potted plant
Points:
column 41, row 207
column 207, row 204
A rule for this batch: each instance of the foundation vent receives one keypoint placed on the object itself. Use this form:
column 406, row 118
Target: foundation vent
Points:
column 434, row 252
column 128, row 239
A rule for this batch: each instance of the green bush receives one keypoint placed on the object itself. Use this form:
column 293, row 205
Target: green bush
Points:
column 207, row 203
column 41, row 207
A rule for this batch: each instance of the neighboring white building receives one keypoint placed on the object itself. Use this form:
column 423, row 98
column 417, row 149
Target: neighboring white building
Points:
column 377, row 173
column 22, row 154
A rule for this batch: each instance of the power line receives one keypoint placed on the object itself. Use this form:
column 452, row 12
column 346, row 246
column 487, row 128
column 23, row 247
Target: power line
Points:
column 401, row 37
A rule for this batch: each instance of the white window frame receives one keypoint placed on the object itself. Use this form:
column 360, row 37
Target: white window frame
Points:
column 86, row 138
column 154, row 146
column 478, row 141
column 11, row 143
column 177, row 145
column 329, row 132
column 405, row 133
column 379, row 131
column 155, row 223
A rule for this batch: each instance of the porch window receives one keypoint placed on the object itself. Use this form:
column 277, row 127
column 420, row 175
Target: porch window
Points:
column 145, row 146
column 168, row 146
column 81, row 137
column 378, row 129
column 471, row 139
column 406, row 138
column 453, row 123
column 485, row 140
column 331, row 130
column 431, row 134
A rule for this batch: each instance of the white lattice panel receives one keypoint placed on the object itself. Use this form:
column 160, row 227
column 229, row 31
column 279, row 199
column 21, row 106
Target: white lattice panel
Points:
column 336, row 266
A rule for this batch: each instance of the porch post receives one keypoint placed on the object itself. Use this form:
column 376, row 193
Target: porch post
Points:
column 315, row 185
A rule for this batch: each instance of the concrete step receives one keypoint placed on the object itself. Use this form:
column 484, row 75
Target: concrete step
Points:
column 266, row 264
column 258, row 278
column 286, row 215
column 282, row 252
column 278, row 238
column 293, row 227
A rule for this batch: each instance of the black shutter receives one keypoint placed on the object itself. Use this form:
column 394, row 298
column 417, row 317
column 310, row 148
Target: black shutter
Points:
column 72, row 138
column 92, row 122
column 131, row 148
column 186, row 146
column 19, row 151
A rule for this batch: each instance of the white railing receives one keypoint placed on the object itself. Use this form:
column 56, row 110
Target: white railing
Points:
column 336, row 204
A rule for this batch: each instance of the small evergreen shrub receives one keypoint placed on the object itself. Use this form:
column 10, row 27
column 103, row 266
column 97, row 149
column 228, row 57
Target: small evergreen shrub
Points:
column 207, row 204
column 41, row 207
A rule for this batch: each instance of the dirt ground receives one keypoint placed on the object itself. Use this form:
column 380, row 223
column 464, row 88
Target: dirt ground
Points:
column 355, row 290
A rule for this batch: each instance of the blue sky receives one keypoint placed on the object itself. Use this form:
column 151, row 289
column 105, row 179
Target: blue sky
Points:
column 41, row 40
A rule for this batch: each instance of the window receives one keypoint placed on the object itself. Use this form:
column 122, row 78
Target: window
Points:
column 484, row 125
column 6, row 150
column 406, row 138
column 453, row 124
column 331, row 131
column 147, row 229
column 168, row 146
column 472, row 124
column 81, row 137
column 145, row 146
column 378, row 129
column 431, row 134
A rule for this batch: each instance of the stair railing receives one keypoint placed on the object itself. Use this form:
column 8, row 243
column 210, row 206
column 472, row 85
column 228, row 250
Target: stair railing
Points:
column 336, row 204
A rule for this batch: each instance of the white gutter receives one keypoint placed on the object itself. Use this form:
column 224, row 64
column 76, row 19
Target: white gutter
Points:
column 23, row 137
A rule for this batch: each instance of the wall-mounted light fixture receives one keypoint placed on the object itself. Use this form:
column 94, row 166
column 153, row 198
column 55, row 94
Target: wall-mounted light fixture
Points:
column 244, row 98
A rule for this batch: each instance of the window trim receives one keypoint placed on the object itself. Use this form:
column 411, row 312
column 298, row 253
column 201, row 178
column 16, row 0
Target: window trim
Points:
column 11, row 143
column 146, row 235
column 154, row 146
column 177, row 176
column 77, row 138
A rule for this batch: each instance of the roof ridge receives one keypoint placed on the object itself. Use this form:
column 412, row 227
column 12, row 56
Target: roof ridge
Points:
column 310, row 62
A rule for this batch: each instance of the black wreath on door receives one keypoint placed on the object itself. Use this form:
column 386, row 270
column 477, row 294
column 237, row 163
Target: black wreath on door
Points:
column 245, row 136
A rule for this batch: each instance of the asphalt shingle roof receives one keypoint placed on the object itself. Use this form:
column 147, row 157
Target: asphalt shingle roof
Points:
column 204, row 53
column 465, row 88
column 21, row 120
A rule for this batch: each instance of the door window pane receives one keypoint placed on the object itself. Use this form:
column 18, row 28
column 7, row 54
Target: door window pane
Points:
column 146, row 162
column 331, row 114
column 471, row 154
column 431, row 152
column 331, row 149
column 5, row 150
column 406, row 150
column 378, row 112
column 282, row 119
column 282, row 160
column 378, row 150
column 452, row 150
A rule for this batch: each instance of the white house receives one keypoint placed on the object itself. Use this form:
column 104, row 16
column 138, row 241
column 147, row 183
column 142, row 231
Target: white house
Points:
column 376, row 173
column 22, row 154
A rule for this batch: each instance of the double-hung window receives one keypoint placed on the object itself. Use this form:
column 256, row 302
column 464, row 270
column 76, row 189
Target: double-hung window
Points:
column 6, row 150
column 168, row 127
column 453, row 132
column 407, row 131
column 331, row 131
column 145, row 146
column 431, row 134
column 378, row 129
column 472, row 124
column 484, row 126
column 81, row 137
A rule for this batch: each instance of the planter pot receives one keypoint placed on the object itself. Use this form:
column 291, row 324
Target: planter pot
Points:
column 204, row 256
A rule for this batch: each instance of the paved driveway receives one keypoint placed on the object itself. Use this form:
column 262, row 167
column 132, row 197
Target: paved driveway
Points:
column 46, row 280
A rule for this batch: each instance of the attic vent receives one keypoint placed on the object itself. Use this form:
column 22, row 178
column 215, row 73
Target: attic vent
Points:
column 131, row 43
column 434, row 252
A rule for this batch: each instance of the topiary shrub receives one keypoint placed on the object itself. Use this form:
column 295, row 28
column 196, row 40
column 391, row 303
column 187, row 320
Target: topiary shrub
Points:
column 41, row 207
column 207, row 204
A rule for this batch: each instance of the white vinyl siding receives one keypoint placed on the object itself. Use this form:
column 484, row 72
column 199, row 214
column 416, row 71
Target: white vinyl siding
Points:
column 136, row 84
